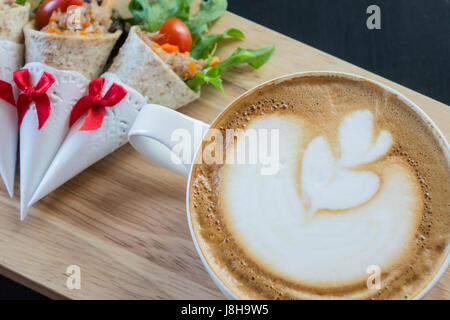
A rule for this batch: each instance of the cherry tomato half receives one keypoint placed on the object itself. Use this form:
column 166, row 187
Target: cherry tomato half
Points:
column 46, row 9
column 175, row 32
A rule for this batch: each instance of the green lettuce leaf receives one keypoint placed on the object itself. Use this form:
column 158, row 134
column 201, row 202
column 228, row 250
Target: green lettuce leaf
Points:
column 151, row 15
column 203, row 47
column 209, row 11
column 183, row 9
column 255, row 58
column 21, row 2
column 140, row 11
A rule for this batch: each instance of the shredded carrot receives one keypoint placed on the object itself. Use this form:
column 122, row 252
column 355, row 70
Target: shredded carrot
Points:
column 53, row 19
column 86, row 24
column 52, row 30
column 83, row 33
column 156, row 44
column 214, row 61
column 192, row 67
column 169, row 48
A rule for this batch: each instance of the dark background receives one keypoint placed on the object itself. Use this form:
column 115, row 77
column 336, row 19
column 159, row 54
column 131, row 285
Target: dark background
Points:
column 412, row 47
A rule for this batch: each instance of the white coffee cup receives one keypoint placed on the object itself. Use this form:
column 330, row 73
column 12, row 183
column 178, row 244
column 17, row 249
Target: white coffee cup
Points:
column 151, row 135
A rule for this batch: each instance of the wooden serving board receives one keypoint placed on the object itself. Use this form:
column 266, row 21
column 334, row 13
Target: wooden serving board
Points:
column 123, row 221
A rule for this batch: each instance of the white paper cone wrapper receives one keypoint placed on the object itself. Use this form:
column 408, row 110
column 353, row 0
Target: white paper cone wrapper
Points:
column 11, row 59
column 81, row 149
column 39, row 147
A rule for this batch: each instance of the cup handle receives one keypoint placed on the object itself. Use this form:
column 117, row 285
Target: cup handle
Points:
column 156, row 134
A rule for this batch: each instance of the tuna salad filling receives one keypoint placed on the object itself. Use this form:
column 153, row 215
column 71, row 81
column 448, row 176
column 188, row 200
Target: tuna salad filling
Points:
column 89, row 18
column 6, row 4
column 181, row 63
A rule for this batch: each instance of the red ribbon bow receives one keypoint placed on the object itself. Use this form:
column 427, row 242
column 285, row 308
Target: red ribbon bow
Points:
column 35, row 94
column 95, row 104
column 6, row 92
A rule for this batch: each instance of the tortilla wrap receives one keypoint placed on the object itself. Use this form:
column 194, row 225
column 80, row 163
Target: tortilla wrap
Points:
column 86, row 54
column 12, row 21
column 140, row 67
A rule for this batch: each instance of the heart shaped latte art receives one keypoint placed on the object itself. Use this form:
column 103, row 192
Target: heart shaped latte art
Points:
column 278, row 218
column 328, row 183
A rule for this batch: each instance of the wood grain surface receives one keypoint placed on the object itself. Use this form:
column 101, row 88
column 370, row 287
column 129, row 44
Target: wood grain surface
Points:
column 123, row 220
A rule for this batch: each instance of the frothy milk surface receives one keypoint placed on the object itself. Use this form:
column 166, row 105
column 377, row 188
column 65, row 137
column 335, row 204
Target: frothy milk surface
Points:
column 361, row 183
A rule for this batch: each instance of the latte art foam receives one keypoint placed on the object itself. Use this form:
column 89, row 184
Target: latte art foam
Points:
column 361, row 182
column 333, row 247
column 329, row 184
